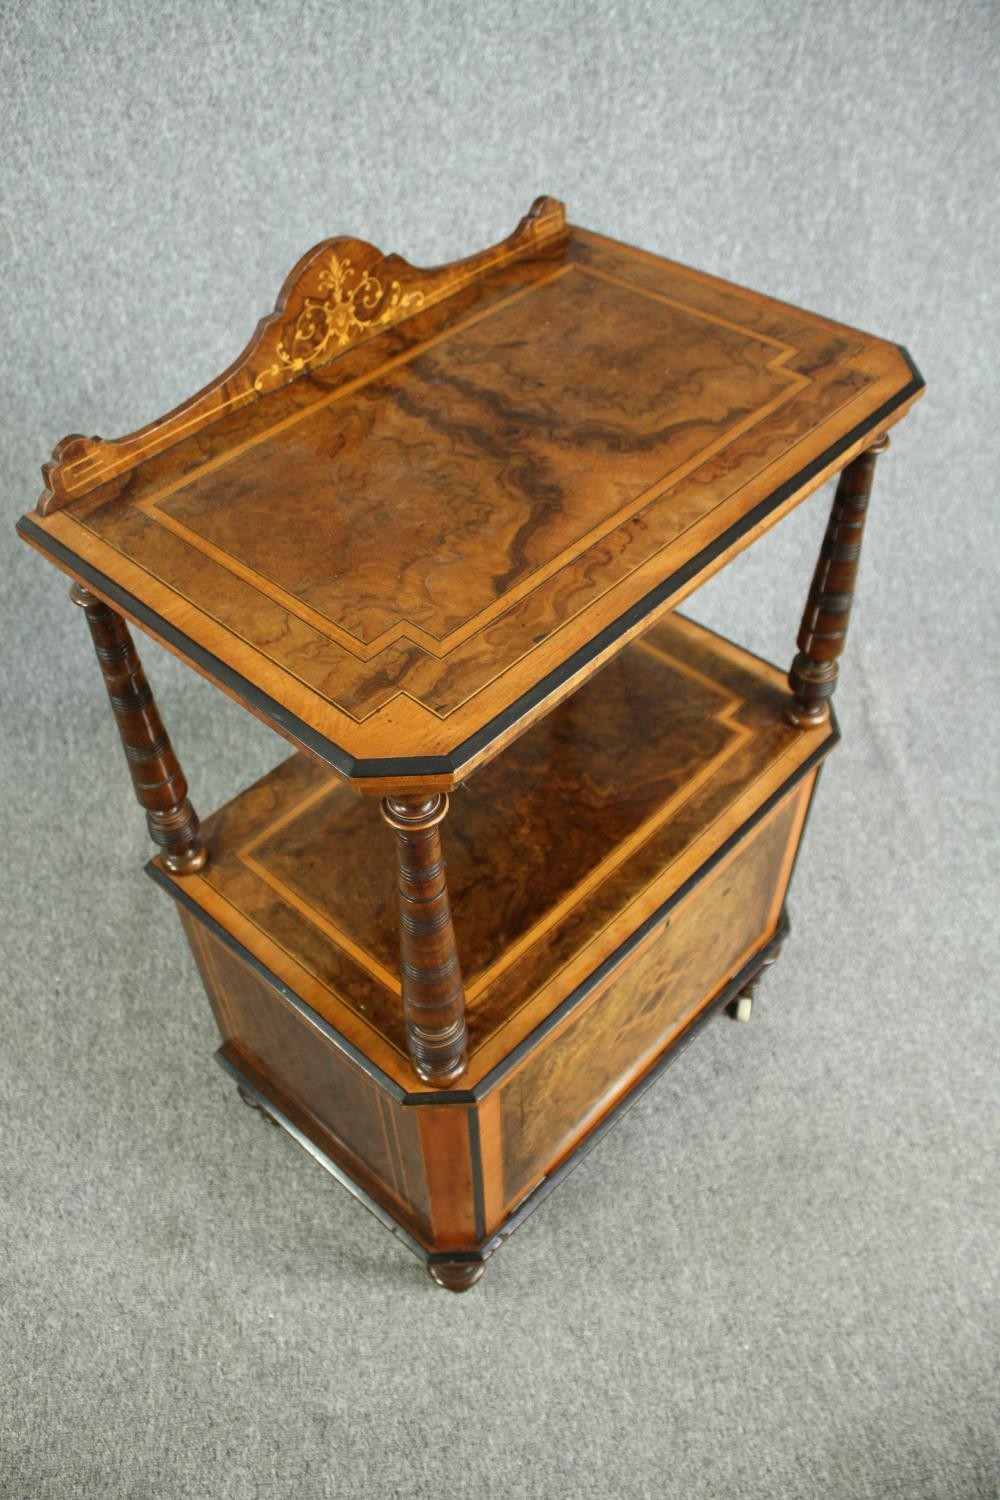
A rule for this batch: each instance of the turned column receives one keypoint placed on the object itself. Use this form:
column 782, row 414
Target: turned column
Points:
column 823, row 631
column 156, row 774
column 433, row 998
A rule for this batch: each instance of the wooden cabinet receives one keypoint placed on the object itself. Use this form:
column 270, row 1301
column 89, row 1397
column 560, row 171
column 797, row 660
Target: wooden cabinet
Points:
column 434, row 527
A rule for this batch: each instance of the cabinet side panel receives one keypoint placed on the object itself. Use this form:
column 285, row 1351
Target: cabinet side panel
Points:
column 582, row 1069
column 366, row 1131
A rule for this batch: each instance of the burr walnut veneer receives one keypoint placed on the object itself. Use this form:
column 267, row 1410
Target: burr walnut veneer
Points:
column 433, row 527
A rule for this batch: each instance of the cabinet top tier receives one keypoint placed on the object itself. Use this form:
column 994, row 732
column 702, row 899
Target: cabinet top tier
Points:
column 424, row 505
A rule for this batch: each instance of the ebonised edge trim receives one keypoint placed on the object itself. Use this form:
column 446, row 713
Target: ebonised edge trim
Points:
column 267, row 976
column 606, row 969
column 575, row 998
column 476, row 1153
column 452, row 764
column 488, row 1246
column 552, row 1179
column 270, row 1108
column 661, row 593
column 300, row 732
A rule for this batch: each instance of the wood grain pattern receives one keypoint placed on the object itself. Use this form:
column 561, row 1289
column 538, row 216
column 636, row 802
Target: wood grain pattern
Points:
column 159, row 783
column 459, row 420
column 406, row 528
column 407, row 555
column 566, row 1085
column 568, row 797
column 430, row 975
column 823, row 632
column 556, row 852
column 452, row 1186
column 448, row 1165
column 341, row 291
column 368, row 1133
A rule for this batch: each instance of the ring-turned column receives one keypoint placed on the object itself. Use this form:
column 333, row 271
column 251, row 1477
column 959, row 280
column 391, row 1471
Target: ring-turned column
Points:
column 433, row 998
column 159, row 782
column 823, row 631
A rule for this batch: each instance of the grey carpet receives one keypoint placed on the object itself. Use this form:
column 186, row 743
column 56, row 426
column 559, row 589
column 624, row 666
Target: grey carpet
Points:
column 778, row 1277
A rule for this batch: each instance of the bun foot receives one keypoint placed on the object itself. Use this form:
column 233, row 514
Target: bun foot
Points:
column 456, row 1275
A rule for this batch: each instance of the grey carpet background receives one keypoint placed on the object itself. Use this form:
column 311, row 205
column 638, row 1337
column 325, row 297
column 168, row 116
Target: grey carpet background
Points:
column 778, row 1276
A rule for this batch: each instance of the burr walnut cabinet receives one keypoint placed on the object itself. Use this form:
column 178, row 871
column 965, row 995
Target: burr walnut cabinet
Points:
column 433, row 527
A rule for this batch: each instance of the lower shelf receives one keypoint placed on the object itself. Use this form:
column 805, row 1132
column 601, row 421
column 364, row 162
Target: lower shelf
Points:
column 615, row 875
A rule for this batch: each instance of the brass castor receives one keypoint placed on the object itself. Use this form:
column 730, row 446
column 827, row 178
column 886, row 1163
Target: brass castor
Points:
column 251, row 1102
column 456, row 1275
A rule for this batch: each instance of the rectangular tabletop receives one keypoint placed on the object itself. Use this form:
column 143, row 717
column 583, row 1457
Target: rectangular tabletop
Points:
column 411, row 551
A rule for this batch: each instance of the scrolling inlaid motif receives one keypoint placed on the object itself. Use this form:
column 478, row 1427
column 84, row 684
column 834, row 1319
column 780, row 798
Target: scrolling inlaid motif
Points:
column 356, row 304
column 341, row 291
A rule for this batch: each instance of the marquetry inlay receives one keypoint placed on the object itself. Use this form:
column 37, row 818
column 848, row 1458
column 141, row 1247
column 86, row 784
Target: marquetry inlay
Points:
column 638, row 390
column 467, row 486
column 657, row 740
